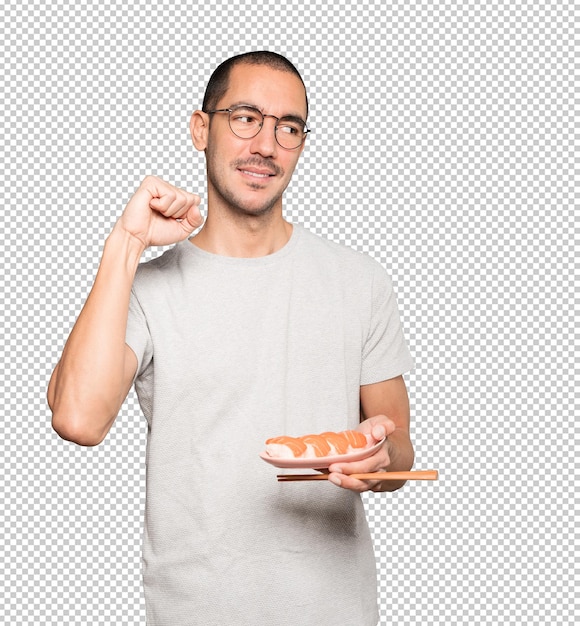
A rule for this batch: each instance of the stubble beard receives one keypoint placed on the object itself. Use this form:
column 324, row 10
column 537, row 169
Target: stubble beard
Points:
column 234, row 203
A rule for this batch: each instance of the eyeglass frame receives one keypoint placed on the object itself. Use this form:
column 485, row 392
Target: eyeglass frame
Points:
column 229, row 111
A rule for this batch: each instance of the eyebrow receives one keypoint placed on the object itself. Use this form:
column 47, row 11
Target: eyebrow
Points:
column 289, row 116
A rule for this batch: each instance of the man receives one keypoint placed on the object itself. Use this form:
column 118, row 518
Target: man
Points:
column 250, row 329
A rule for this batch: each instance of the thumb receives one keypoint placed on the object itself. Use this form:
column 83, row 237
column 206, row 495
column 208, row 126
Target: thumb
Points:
column 382, row 427
column 379, row 432
column 193, row 218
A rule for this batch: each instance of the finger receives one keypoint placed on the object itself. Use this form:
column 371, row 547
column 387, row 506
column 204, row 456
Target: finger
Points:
column 161, row 193
column 172, row 202
column 168, row 199
column 389, row 424
column 192, row 218
column 382, row 430
column 378, row 432
column 185, row 200
column 161, row 204
column 379, row 427
column 375, row 463
column 353, row 484
column 182, row 204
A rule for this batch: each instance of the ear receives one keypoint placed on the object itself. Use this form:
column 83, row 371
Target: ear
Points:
column 199, row 128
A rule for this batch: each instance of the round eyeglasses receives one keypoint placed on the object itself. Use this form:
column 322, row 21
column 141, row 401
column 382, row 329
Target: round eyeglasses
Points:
column 246, row 122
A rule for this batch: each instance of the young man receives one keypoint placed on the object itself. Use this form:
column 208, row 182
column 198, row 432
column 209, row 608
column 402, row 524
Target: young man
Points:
column 252, row 328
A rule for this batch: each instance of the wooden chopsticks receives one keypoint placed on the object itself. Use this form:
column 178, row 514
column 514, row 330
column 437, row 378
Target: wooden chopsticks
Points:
column 412, row 475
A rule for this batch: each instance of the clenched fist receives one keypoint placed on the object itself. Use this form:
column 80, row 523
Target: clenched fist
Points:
column 160, row 214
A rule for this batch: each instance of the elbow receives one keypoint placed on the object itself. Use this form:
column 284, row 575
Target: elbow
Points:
column 74, row 420
column 79, row 431
column 81, row 438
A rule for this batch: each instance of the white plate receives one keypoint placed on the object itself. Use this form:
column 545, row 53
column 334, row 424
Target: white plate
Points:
column 321, row 462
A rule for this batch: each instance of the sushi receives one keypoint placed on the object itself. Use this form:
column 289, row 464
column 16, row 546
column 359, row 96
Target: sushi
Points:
column 286, row 447
column 315, row 446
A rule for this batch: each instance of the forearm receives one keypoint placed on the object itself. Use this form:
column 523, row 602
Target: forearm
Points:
column 388, row 402
column 89, row 383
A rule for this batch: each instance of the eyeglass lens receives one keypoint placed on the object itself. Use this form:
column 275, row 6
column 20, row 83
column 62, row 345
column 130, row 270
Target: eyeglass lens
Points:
column 246, row 123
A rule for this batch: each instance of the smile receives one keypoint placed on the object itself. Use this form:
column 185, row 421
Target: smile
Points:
column 256, row 174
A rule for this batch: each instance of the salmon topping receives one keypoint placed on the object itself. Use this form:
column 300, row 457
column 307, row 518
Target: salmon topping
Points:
column 325, row 444
column 296, row 445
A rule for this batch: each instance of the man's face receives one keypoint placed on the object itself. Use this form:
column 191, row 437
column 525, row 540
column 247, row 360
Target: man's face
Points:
column 248, row 176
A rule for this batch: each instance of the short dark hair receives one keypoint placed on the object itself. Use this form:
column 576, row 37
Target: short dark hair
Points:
column 219, row 81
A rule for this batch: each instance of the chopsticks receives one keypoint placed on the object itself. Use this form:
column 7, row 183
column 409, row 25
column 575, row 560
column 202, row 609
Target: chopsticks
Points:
column 412, row 475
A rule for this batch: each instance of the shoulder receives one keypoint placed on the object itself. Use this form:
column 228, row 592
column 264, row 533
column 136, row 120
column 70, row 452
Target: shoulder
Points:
column 158, row 269
column 343, row 258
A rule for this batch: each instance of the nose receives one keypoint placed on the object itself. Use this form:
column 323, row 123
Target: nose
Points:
column 264, row 142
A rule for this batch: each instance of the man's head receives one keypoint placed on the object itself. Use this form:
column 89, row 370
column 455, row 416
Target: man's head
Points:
column 219, row 80
column 249, row 171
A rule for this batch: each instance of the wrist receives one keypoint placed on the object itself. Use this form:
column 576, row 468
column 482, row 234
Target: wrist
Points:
column 123, row 246
column 401, row 451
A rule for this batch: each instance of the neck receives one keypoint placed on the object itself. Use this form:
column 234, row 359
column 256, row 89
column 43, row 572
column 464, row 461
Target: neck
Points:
column 243, row 235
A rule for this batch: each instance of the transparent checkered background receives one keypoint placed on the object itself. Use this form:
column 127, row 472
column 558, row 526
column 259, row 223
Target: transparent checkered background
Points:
column 443, row 145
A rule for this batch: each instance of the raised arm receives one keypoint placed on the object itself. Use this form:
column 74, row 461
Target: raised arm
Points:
column 96, row 369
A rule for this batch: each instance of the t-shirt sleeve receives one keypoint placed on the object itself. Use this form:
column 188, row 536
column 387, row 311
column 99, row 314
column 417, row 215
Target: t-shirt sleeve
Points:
column 385, row 351
column 137, row 335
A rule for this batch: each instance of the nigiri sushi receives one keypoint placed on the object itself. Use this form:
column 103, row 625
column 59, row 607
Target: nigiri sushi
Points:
column 315, row 446
column 355, row 439
column 346, row 441
column 285, row 447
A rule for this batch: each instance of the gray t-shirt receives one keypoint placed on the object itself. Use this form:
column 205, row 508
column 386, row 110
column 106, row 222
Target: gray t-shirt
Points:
column 232, row 351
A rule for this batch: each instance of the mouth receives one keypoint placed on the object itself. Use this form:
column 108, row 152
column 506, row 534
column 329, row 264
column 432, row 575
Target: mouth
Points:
column 256, row 170
column 256, row 173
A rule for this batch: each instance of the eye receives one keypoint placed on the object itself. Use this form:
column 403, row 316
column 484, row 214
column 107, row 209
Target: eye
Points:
column 290, row 127
column 246, row 117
